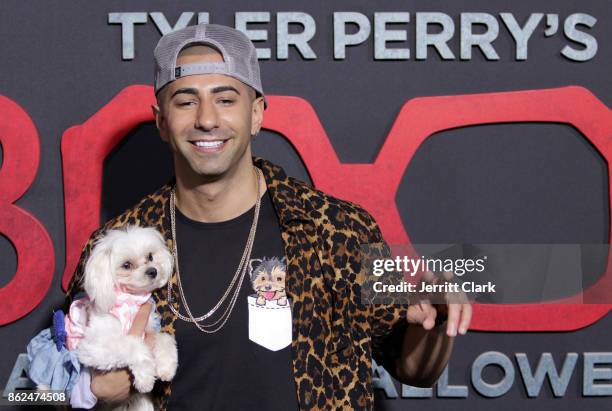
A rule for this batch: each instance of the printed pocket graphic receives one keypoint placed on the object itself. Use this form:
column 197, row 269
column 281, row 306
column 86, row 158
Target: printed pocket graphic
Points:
column 270, row 324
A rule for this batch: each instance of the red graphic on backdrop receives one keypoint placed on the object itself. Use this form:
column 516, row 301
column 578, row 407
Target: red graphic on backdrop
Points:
column 84, row 148
column 20, row 158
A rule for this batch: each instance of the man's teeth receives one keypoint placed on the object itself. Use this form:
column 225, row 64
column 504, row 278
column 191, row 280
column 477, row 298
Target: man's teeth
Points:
column 209, row 144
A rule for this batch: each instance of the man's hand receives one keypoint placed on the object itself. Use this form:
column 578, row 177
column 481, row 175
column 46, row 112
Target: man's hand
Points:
column 113, row 386
column 459, row 316
column 427, row 349
column 457, row 309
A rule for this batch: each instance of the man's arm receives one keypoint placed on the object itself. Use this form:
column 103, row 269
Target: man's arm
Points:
column 405, row 338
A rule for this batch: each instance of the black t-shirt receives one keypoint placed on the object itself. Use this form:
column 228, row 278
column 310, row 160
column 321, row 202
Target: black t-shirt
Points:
column 247, row 365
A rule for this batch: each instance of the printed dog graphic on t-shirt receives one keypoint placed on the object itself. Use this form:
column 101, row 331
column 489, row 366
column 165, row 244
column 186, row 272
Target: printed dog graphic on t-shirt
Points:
column 268, row 279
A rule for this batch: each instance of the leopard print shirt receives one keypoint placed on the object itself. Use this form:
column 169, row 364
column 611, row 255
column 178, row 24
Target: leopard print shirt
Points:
column 335, row 336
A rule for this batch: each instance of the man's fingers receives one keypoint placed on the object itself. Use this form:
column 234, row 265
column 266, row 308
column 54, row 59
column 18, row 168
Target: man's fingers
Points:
column 111, row 386
column 454, row 314
column 466, row 318
column 428, row 276
column 140, row 321
column 423, row 313
column 430, row 316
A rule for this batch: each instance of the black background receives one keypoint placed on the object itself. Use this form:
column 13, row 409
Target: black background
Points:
column 540, row 183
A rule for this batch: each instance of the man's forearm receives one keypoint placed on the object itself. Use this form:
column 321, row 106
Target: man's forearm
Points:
column 424, row 355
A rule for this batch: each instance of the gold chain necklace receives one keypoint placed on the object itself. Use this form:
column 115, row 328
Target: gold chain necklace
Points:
column 238, row 276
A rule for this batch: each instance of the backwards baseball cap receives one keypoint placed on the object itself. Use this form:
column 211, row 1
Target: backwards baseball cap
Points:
column 239, row 55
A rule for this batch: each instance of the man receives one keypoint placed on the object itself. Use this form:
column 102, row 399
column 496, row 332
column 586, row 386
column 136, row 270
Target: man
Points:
column 265, row 299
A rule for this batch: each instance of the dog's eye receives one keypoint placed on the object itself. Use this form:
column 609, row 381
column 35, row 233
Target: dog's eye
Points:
column 279, row 278
column 127, row 265
column 150, row 257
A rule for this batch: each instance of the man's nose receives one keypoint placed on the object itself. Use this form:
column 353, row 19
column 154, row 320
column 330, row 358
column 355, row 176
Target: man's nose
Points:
column 207, row 118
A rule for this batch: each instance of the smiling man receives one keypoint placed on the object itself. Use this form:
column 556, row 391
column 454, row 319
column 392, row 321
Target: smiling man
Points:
column 265, row 298
column 208, row 122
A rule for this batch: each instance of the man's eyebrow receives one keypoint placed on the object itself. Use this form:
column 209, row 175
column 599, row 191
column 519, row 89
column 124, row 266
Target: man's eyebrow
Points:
column 185, row 90
column 221, row 89
column 194, row 91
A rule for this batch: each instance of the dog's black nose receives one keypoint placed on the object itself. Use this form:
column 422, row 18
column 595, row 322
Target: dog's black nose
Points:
column 151, row 272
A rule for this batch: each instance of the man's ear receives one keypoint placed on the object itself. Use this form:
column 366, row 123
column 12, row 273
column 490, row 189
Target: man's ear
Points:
column 159, row 122
column 257, row 115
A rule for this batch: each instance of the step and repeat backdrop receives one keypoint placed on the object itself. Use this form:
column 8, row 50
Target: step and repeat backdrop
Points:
column 456, row 122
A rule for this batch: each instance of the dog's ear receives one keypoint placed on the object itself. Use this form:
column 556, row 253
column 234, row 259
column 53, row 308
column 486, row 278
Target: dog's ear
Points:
column 99, row 277
column 254, row 260
column 165, row 256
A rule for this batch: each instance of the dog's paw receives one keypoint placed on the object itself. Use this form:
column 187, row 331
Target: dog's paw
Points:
column 141, row 364
column 144, row 376
column 166, row 371
column 166, row 356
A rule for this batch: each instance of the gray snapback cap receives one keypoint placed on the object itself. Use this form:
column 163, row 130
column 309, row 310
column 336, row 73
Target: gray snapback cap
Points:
column 239, row 55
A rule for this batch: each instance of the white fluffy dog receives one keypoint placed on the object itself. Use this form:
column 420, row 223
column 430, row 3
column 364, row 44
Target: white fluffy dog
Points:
column 125, row 266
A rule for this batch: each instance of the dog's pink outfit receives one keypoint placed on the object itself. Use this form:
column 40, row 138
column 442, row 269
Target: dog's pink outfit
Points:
column 125, row 309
